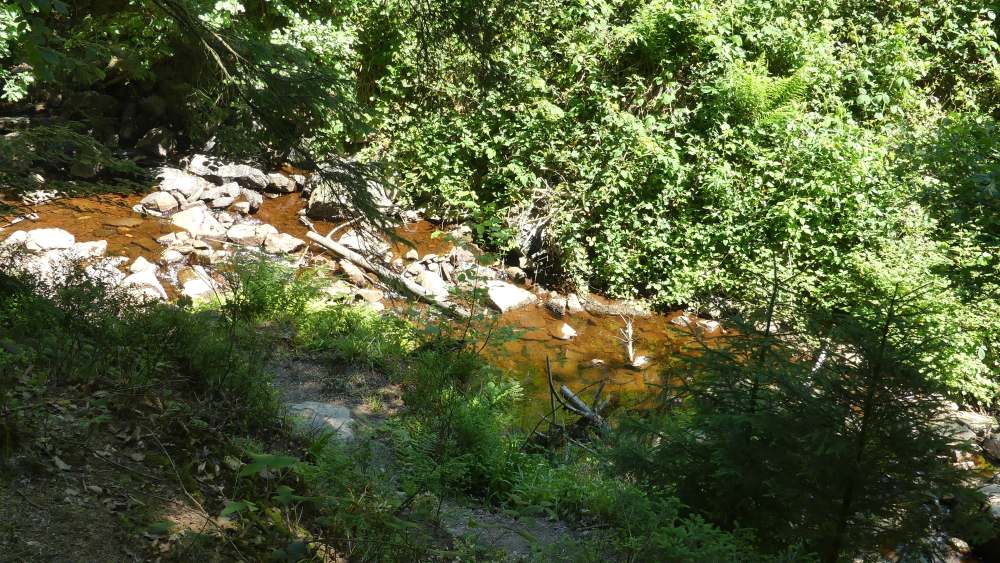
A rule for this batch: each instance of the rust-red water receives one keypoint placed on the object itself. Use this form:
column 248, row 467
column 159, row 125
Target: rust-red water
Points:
column 596, row 354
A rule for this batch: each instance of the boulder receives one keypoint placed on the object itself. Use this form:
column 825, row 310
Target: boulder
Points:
column 253, row 199
column 106, row 271
column 141, row 265
column 88, row 250
column 199, row 222
column 508, row 297
column 246, row 176
column 708, row 326
column 573, row 304
column 370, row 295
column 157, row 143
column 323, row 417
column 40, row 240
column 17, row 238
column 279, row 183
column 991, row 445
column 557, row 305
column 222, row 202
column 171, row 256
column 332, row 194
column 978, row 423
column 242, row 207
column 202, row 165
column 433, row 283
column 412, row 254
column 282, row 243
column 992, row 494
column 414, row 269
column 250, row 235
column 195, row 289
column 461, row 256
column 160, row 201
column 188, row 185
column 146, row 284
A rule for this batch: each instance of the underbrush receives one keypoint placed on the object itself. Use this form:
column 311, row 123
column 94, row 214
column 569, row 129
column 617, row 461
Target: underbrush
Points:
column 175, row 401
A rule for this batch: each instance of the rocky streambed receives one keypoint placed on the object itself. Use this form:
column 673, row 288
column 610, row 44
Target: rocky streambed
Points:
column 169, row 243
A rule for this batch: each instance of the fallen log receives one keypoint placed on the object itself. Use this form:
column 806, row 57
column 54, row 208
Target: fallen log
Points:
column 388, row 276
column 579, row 407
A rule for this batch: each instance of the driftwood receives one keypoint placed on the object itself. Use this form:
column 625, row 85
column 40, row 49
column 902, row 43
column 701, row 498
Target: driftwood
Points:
column 388, row 276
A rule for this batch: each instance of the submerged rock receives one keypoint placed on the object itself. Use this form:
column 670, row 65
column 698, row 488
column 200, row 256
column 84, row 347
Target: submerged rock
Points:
column 565, row 332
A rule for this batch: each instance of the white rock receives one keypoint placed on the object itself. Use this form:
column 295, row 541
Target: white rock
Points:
column 226, row 219
column 202, row 165
column 282, row 243
column 244, row 175
column 320, row 417
column 992, row 494
column 141, row 265
column 254, row 199
column 196, row 288
column 222, row 202
column 565, row 332
column 199, row 222
column 160, row 201
column 708, row 326
column 242, row 207
column 106, row 271
column 89, row 250
column 40, row 240
column 250, row 235
column 507, row 297
column 146, row 283
column 280, row 183
column 573, row 304
column 188, row 185
column 38, row 197
column 639, row 362
column 17, row 238
column 433, row 283
column 167, row 239
column 412, row 254
column 171, row 256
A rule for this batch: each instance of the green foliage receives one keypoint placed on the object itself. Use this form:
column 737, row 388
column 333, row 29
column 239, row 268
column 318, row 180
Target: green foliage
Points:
column 849, row 441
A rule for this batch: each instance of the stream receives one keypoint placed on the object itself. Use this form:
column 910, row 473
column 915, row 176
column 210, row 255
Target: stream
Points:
column 596, row 354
